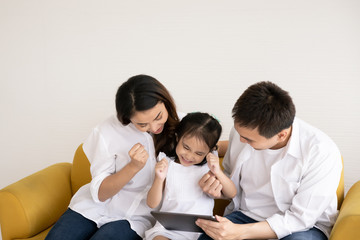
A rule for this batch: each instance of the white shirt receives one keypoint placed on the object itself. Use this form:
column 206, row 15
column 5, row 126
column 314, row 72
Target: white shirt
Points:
column 182, row 194
column 258, row 201
column 107, row 149
column 303, row 181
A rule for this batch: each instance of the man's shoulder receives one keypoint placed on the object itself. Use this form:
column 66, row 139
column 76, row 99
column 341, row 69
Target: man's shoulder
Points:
column 312, row 139
column 312, row 134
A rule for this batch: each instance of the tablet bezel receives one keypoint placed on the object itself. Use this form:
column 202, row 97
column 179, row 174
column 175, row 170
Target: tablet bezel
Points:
column 180, row 221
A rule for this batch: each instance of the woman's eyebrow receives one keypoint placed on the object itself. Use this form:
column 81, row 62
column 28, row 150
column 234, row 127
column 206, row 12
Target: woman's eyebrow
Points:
column 157, row 115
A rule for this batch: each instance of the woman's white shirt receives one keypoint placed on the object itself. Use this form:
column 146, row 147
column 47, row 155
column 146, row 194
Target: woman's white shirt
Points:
column 107, row 149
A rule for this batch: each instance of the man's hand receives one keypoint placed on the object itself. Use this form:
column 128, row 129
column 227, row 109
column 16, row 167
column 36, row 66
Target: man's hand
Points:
column 225, row 229
column 210, row 185
column 221, row 230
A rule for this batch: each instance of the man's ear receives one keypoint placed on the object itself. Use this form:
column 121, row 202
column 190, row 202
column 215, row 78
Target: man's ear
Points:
column 282, row 135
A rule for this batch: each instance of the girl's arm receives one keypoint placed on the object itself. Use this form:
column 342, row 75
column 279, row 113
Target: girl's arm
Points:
column 228, row 187
column 115, row 182
column 156, row 191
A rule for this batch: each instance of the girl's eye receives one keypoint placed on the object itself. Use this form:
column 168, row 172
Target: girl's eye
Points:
column 159, row 117
column 186, row 147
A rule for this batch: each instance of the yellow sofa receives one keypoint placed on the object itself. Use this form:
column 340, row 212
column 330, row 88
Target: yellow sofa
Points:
column 29, row 207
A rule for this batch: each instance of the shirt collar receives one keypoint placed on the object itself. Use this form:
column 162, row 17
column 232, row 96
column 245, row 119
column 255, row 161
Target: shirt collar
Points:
column 293, row 147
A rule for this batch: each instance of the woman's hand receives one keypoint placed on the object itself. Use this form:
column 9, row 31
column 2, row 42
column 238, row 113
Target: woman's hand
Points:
column 138, row 156
column 161, row 169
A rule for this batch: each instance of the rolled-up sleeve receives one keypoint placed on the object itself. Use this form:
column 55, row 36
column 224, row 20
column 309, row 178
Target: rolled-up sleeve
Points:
column 315, row 195
column 102, row 163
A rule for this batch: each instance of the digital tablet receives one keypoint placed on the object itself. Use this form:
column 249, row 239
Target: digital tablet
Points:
column 180, row 221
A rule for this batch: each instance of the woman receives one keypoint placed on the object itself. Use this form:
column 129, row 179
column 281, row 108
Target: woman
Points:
column 122, row 153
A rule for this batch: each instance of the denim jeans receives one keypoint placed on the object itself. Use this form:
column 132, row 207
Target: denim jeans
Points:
column 73, row 226
column 240, row 218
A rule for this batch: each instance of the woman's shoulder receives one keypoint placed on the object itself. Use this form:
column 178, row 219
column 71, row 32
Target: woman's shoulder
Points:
column 112, row 127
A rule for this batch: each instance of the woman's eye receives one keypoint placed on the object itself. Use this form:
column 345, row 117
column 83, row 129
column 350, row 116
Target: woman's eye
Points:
column 159, row 117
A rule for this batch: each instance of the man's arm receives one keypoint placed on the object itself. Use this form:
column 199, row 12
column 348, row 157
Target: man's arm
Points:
column 225, row 229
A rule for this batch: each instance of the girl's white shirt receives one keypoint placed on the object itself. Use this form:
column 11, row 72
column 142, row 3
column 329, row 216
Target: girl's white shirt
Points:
column 182, row 194
column 107, row 149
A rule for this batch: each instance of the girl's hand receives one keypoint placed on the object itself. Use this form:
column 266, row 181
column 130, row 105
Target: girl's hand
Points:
column 213, row 163
column 161, row 169
column 138, row 156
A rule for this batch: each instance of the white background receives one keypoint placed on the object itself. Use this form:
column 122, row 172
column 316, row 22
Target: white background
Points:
column 61, row 63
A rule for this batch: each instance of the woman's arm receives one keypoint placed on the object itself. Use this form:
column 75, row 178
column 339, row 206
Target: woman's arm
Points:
column 112, row 184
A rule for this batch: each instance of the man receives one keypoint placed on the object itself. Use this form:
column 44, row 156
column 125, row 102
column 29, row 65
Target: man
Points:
column 286, row 172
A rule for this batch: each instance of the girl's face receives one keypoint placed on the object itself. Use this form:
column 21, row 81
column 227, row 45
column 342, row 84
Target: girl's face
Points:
column 152, row 120
column 191, row 150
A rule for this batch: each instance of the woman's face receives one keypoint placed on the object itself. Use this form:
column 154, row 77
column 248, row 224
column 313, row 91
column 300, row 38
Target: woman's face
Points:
column 191, row 150
column 152, row 120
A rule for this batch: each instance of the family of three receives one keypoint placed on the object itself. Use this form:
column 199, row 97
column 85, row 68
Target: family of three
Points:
column 280, row 173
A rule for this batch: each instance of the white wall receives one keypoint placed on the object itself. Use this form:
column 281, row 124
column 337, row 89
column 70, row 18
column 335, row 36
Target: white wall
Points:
column 62, row 61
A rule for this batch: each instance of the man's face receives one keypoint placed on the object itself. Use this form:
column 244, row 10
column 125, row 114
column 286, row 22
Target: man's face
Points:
column 255, row 140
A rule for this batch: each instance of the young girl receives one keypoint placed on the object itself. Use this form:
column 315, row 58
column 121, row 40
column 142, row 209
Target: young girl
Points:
column 197, row 135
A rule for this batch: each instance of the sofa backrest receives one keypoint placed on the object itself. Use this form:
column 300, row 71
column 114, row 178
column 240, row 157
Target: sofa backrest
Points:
column 80, row 174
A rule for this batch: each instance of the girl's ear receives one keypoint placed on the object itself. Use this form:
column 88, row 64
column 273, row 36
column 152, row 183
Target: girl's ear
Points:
column 215, row 148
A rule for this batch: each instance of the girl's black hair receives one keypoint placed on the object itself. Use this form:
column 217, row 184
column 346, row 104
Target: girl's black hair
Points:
column 202, row 126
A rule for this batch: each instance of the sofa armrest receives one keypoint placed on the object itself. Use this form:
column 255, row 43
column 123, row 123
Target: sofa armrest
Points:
column 348, row 222
column 36, row 202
